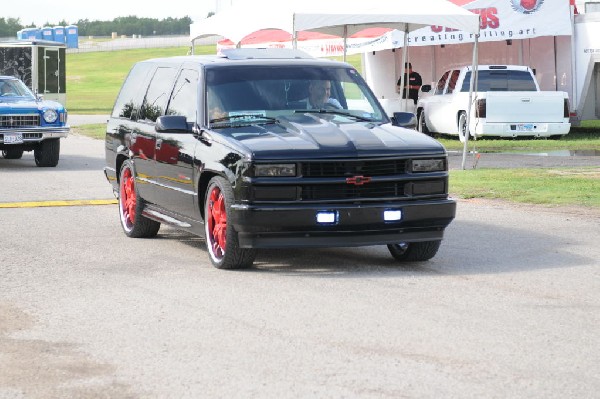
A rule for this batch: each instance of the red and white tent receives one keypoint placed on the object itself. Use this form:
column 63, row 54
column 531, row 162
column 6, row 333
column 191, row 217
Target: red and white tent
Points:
column 333, row 17
column 274, row 27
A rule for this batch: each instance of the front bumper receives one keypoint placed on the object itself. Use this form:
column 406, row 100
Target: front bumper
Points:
column 36, row 134
column 355, row 225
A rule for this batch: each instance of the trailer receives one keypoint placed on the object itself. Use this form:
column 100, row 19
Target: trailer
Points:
column 40, row 64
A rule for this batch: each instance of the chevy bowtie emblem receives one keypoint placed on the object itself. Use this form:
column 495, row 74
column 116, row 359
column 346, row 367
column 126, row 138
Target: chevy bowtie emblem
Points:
column 358, row 180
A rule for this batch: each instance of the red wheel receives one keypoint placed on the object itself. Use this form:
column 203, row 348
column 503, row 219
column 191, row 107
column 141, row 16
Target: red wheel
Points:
column 221, row 238
column 131, row 205
column 127, row 199
column 217, row 223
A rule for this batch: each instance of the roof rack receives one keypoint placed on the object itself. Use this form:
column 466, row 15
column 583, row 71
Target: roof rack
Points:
column 264, row 53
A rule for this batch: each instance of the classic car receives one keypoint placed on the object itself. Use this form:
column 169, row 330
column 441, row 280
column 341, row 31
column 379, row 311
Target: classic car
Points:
column 28, row 123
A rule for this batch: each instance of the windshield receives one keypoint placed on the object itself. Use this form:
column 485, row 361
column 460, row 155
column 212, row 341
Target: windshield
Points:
column 14, row 88
column 268, row 94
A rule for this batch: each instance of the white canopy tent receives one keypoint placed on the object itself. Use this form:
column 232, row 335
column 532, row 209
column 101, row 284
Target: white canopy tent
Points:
column 336, row 17
column 340, row 18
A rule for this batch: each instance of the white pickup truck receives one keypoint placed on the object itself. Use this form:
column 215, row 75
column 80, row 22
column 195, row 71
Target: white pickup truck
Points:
column 507, row 102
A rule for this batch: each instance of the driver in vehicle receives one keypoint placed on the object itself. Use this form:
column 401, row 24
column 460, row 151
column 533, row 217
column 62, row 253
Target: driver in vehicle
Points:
column 7, row 90
column 319, row 96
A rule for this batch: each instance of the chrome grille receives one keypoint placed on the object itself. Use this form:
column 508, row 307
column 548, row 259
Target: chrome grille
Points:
column 8, row 121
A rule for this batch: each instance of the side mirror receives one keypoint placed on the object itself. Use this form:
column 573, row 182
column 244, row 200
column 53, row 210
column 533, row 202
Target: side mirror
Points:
column 404, row 119
column 172, row 124
column 426, row 88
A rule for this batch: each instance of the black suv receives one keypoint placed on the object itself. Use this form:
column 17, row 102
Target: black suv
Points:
column 271, row 148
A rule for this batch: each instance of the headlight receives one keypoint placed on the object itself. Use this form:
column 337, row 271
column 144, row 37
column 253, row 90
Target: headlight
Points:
column 428, row 165
column 274, row 170
column 50, row 115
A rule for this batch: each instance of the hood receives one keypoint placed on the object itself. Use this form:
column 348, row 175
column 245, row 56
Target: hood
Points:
column 16, row 104
column 328, row 136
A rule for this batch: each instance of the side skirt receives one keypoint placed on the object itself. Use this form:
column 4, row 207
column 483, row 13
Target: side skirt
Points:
column 179, row 222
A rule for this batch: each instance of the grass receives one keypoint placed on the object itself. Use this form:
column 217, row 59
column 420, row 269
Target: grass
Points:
column 95, row 78
column 552, row 186
column 95, row 131
column 577, row 139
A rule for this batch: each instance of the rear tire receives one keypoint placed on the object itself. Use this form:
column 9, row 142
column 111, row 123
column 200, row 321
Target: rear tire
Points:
column 414, row 251
column 221, row 239
column 462, row 127
column 47, row 153
column 134, row 224
column 12, row 153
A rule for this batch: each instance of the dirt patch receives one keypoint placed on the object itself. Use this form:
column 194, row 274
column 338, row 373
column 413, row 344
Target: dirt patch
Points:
column 42, row 369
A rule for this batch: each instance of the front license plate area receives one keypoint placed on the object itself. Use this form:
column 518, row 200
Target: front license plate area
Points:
column 13, row 138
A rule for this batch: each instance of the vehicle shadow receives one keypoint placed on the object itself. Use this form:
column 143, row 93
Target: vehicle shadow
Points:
column 469, row 248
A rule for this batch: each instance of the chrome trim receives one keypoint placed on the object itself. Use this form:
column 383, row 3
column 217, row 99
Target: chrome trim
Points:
column 146, row 180
column 45, row 132
column 165, row 218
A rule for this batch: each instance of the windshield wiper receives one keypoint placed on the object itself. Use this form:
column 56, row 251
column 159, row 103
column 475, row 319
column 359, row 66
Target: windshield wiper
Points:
column 335, row 112
column 245, row 119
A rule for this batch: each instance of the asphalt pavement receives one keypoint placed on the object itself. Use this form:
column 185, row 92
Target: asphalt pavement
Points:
column 78, row 120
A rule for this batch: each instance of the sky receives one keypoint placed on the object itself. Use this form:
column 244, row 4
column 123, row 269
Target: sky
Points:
column 41, row 11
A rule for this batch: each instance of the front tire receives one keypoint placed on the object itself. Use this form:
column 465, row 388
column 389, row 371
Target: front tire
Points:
column 422, row 125
column 414, row 251
column 221, row 239
column 134, row 224
column 12, row 153
column 47, row 153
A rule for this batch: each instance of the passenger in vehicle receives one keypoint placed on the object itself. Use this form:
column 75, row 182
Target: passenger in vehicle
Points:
column 214, row 106
column 319, row 96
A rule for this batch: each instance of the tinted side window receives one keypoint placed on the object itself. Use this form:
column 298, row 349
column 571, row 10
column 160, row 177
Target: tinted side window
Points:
column 439, row 89
column 130, row 96
column 453, row 79
column 185, row 95
column 501, row 80
column 158, row 94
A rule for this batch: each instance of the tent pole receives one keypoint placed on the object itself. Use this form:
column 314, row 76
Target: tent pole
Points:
column 294, row 33
column 403, row 69
column 469, row 106
column 345, row 40
column 574, row 88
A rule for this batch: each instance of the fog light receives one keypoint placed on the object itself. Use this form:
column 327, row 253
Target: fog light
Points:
column 326, row 217
column 392, row 215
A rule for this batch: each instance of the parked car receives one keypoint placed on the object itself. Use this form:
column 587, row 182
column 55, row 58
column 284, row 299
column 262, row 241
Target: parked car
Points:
column 27, row 123
column 506, row 102
column 232, row 148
